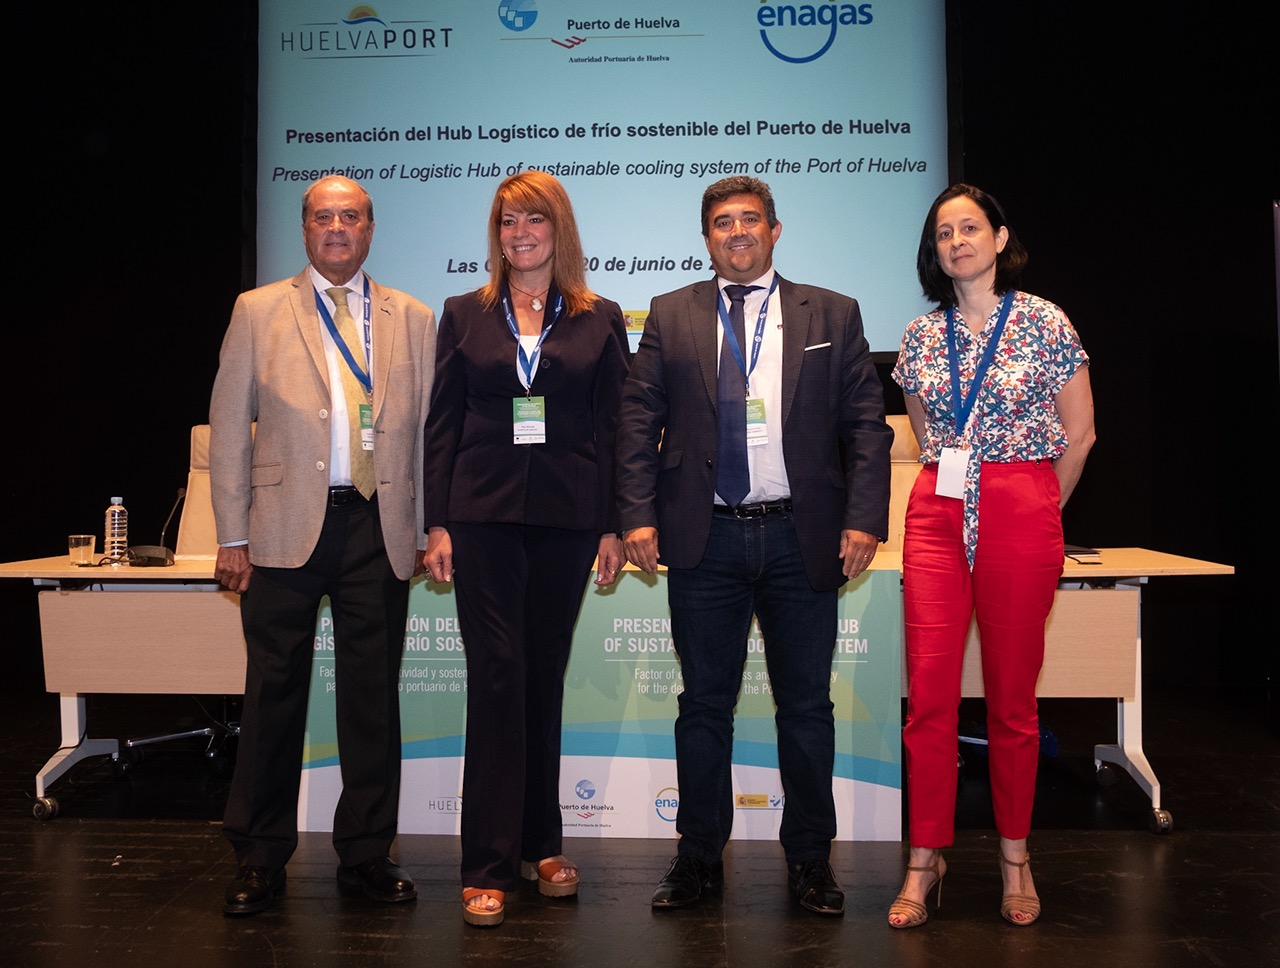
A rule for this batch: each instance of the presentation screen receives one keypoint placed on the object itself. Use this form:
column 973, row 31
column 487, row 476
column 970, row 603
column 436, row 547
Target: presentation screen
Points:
column 636, row 106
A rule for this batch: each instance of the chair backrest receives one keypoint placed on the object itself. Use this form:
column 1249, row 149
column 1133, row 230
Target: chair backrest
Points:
column 197, row 535
column 905, row 446
column 905, row 466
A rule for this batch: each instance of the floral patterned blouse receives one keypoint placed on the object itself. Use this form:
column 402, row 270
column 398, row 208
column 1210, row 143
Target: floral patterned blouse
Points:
column 1014, row 417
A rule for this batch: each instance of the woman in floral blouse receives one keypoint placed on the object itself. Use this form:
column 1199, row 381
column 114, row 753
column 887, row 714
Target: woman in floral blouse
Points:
column 997, row 390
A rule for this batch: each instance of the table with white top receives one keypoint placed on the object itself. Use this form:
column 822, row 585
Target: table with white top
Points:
column 174, row 630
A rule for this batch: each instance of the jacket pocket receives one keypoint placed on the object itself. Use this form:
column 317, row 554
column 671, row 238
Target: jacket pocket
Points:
column 265, row 475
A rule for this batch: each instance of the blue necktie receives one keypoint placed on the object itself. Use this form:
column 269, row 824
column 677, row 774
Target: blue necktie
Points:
column 733, row 480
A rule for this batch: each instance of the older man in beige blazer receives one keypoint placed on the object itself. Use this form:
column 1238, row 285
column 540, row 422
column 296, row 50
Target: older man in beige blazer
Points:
column 310, row 505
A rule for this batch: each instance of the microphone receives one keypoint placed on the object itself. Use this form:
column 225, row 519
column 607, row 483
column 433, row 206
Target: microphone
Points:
column 151, row 556
column 182, row 492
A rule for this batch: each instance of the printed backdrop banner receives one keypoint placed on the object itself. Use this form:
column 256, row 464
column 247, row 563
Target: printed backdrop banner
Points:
column 618, row 776
column 636, row 106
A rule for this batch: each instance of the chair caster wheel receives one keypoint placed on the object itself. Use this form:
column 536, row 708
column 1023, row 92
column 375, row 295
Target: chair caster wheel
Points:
column 122, row 766
column 45, row 808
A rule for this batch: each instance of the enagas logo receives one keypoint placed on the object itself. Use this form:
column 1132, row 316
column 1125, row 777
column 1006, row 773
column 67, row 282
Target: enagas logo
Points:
column 666, row 804
column 801, row 32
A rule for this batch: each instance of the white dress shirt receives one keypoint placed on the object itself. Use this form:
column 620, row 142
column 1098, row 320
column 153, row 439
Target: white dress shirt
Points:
column 764, row 462
column 339, row 433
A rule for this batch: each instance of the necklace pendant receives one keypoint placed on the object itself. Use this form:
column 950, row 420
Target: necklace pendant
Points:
column 536, row 303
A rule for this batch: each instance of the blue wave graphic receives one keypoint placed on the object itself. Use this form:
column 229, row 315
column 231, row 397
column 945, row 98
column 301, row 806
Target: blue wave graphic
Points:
column 365, row 20
column 634, row 745
column 578, row 742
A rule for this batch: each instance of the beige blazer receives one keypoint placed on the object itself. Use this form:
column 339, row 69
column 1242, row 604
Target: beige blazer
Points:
column 270, row 488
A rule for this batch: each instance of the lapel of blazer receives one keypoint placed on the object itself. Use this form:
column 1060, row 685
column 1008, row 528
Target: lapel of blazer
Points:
column 702, row 331
column 308, row 323
column 381, row 317
column 797, row 316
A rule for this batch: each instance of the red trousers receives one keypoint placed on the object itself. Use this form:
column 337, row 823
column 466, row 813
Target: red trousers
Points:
column 1010, row 589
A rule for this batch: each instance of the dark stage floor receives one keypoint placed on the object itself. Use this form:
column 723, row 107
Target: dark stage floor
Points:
column 132, row 870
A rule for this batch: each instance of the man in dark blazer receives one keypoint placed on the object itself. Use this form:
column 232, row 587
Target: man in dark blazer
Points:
column 754, row 465
column 309, row 504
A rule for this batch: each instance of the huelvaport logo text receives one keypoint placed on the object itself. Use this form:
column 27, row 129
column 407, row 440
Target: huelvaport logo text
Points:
column 362, row 34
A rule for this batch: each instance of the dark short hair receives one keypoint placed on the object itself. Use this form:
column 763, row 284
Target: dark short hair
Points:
column 717, row 192
column 306, row 195
column 936, row 284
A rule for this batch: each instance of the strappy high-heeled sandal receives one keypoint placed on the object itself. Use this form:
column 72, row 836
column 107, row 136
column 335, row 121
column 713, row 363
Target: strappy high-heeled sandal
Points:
column 1019, row 902
column 913, row 912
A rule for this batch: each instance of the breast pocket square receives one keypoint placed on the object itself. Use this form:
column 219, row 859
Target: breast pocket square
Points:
column 818, row 346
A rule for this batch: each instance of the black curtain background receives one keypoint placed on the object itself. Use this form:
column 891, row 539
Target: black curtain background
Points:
column 1134, row 150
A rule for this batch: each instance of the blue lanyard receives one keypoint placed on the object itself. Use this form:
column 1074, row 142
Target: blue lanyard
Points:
column 361, row 372
column 963, row 405
column 527, row 364
column 758, row 341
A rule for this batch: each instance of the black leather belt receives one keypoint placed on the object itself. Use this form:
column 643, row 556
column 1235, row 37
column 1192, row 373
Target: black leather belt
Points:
column 342, row 496
column 754, row 510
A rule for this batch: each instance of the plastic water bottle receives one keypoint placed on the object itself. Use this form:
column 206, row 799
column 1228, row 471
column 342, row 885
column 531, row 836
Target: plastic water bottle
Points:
column 116, row 544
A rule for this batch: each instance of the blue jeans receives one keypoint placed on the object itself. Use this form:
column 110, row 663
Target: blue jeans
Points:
column 753, row 566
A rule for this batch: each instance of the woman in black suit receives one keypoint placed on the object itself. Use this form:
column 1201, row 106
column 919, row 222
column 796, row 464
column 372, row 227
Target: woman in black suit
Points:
column 519, row 503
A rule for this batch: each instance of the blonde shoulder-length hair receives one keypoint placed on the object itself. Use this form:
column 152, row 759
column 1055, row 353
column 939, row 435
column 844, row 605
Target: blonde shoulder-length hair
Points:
column 536, row 191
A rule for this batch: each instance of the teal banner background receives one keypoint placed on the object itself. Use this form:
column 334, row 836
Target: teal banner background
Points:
column 621, row 689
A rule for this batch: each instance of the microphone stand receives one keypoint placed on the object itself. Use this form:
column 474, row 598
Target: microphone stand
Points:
column 149, row 556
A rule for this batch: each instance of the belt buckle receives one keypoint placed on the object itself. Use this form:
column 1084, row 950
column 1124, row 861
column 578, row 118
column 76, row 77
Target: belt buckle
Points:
column 342, row 496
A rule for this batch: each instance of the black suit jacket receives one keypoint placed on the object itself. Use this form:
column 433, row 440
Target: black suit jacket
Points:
column 474, row 473
column 835, row 440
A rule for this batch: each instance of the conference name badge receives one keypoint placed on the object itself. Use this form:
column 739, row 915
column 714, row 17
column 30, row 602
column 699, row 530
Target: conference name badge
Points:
column 366, row 426
column 757, row 429
column 951, row 470
column 529, row 420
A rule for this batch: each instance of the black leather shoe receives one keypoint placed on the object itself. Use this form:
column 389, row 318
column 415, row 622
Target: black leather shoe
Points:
column 378, row 878
column 686, row 881
column 815, row 887
column 253, row 890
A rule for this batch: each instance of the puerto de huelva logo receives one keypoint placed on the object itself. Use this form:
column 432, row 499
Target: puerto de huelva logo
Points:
column 588, row 808
column 517, row 15
column 802, row 32
column 362, row 34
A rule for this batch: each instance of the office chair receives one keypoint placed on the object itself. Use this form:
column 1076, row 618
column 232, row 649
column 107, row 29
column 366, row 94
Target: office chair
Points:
column 197, row 538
